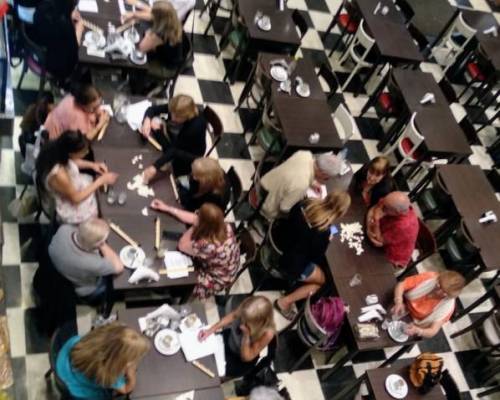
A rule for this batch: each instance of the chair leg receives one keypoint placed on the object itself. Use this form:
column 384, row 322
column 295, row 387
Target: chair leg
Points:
column 247, row 88
column 48, row 374
column 400, row 165
column 469, row 84
column 23, row 72
column 207, row 4
column 349, row 79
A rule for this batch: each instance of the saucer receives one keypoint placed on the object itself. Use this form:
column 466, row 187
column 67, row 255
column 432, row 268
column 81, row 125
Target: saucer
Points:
column 303, row 90
column 264, row 23
column 396, row 331
column 127, row 255
column 167, row 335
column 396, row 386
column 279, row 73
column 138, row 57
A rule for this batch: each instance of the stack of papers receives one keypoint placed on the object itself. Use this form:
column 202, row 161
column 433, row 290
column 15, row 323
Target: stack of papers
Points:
column 177, row 264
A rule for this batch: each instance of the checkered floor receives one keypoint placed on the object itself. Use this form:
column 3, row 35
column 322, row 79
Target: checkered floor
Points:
column 204, row 83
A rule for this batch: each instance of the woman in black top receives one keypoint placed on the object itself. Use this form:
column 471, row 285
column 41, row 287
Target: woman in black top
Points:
column 374, row 180
column 58, row 27
column 303, row 238
column 184, row 140
column 207, row 184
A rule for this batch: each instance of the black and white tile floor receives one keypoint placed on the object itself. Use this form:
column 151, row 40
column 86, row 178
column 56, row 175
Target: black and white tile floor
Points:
column 204, row 83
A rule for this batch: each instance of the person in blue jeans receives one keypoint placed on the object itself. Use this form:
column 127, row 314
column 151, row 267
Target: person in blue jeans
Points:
column 102, row 362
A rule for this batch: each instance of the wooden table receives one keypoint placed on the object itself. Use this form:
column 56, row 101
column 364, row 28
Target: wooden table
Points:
column 200, row 394
column 375, row 380
column 160, row 375
column 432, row 17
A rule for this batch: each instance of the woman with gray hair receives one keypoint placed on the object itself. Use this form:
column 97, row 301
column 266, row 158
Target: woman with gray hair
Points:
column 81, row 254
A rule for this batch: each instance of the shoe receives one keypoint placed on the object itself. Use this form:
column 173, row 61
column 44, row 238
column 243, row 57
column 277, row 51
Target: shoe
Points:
column 287, row 314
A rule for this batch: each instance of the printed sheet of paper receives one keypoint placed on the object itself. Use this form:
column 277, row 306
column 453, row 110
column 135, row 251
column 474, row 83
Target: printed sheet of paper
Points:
column 89, row 6
column 194, row 349
column 135, row 113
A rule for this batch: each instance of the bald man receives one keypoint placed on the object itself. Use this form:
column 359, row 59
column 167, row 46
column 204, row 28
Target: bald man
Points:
column 393, row 225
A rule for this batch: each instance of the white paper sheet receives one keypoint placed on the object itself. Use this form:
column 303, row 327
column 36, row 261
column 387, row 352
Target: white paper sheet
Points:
column 135, row 113
column 176, row 264
column 89, row 6
column 220, row 355
column 194, row 349
column 186, row 396
column 92, row 51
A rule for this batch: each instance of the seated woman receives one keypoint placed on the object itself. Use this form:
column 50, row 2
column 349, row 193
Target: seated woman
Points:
column 163, row 42
column 58, row 174
column 374, row 180
column 102, row 362
column 251, row 329
column 429, row 298
column 78, row 111
column 33, row 119
column 184, row 140
column 211, row 242
column 207, row 184
column 57, row 26
column 303, row 238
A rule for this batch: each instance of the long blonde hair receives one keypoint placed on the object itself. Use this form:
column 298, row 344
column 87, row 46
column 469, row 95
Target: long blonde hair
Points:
column 102, row 355
column 183, row 106
column 321, row 213
column 209, row 175
column 211, row 225
column 166, row 24
column 256, row 312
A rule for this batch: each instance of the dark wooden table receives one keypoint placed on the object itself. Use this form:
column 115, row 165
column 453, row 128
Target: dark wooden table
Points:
column 375, row 380
column 301, row 117
column 200, row 394
column 122, row 136
column 491, row 48
column 432, row 17
column 160, row 375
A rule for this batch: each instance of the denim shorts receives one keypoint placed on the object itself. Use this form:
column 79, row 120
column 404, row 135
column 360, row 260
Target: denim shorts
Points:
column 308, row 270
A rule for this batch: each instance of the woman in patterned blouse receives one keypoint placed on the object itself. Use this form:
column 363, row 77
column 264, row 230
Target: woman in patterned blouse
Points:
column 211, row 242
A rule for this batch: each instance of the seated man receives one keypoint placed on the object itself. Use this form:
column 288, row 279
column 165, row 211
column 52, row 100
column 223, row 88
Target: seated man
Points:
column 429, row 298
column 287, row 184
column 393, row 225
column 74, row 251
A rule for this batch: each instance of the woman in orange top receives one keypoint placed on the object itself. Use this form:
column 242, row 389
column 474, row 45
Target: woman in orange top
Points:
column 429, row 298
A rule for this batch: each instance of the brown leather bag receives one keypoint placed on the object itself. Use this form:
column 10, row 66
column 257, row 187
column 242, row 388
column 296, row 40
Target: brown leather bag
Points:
column 425, row 371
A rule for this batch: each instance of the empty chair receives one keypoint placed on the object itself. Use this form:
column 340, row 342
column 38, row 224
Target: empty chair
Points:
column 389, row 101
column 426, row 246
column 407, row 145
column 435, row 202
column 257, row 86
column 455, row 39
column 300, row 22
column 477, row 70
column 329, row 77
column 268, row 132
column 214, row 127
column 236, row 190
column 358, row 50
column 344, row 123
column 348, row 22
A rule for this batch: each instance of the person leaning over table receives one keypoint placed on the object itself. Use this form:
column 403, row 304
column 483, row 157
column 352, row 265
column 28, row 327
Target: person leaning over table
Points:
column 251, row 330
column 57, row 26
column 429, row 298
column 163, row 41
column 374, row 180
column 182, row 141
column 303, row 238
column 207, row 183
column 393, row 225
column 211, row 242
column 101, row 363
column 79, row 111
column 58, row 174
column 81, row 254
column 287, row 183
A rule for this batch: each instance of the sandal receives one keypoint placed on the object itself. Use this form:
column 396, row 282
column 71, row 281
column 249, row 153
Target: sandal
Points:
column 287, row 314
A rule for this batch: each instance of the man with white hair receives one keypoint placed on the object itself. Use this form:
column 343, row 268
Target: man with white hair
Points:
column 393, row 225
column 81, row 254
column 287, row 184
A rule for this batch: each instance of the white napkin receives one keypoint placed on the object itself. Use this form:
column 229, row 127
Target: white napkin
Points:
column 176, row 264
column 92, row 51
column 186, row 396
column 89, row 6
column 135, row 113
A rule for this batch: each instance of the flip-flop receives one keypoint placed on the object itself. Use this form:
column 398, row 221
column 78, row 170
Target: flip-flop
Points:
column 287, row 314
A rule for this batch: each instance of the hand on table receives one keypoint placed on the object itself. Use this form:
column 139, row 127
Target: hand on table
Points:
column 108, row 178
column 412, row 330
column 159, row 205
column 148, row 174
column 100, row 168
column 203, row 334
column 398, row 310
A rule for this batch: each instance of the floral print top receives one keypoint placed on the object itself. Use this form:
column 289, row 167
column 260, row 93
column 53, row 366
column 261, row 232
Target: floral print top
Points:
column 218, row 264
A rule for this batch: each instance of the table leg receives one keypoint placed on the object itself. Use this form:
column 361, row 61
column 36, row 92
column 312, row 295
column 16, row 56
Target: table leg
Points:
column 417, row 190
column 337, row 42
column 368, row 76
column 343, row 394
column 340, row 363
column 445, row 229
column 333, row 23
column 396, row 355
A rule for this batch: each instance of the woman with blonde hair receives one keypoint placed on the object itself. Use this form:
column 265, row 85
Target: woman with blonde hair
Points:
column 207, row 184
column 251, row 329
column 181, row 134
column 101, row 362
column 374, row 180
column 303, row 238
column 211, row 242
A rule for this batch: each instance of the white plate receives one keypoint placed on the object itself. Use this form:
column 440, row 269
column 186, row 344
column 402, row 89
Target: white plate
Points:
column 190, row 323
column 303, row 90
column 127, row 255
column 396, row 386
column 264, row 23
column 396, row 331
column 94, row 39
column 279, row 73
column 160, row 345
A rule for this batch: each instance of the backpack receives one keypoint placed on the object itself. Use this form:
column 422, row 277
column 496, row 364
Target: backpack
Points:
column 426, row 371
column 329, row 313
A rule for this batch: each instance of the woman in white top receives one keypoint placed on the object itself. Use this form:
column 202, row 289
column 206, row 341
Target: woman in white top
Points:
column 58, row 173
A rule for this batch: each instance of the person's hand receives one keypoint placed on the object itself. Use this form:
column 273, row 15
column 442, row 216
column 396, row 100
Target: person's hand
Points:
column 156, row 123
column 148, row 174
column 157, row 204
column 244, row 330
column 103, row 116
column 100, row 168
column 146, row 127
column 316, row 187
column 75, row 16
column 129, row 15
column 203, row 334
column 108, row 178
column 398, row 309
column 412, row 330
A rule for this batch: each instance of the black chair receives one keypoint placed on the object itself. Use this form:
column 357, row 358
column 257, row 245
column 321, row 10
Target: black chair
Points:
column 348, row 23
column 34, row 59
column 212, row 6
column 214, row 126
column 435, row 202
column 236, row 190
column 59, row 338
column 478, row 69
column 448, row 91
column 331, row 80
column 300, row 22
